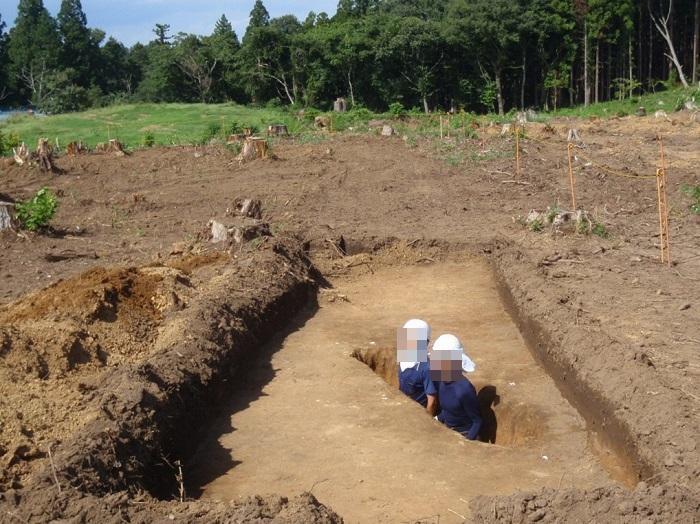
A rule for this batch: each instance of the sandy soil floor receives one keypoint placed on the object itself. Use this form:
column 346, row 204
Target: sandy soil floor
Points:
column 313, row 416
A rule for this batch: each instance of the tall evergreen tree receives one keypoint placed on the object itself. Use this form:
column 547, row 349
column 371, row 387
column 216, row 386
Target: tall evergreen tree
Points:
column 4, row 87
column 33, row 50
column 79, row 50
column 161, row 31
column 259, row 17
column 224, row 48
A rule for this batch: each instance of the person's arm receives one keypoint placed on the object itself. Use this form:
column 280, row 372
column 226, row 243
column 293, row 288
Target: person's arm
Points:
column 471, row 406
column 432, row 406
column 431, row 392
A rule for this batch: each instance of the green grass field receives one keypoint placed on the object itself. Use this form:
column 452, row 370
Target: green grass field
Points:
column 173, row 124
column 169, row 124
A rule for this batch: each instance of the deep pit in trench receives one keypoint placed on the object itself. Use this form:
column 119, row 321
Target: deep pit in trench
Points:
column 311, row 416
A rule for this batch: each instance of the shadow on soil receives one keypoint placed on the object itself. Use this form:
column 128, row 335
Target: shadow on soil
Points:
column 245, row 387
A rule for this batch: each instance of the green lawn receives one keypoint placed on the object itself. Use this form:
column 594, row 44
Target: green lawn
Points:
column 172, row 124
column 168, row 123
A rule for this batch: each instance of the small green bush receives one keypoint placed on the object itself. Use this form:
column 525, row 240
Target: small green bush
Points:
column 7, row 142
column 536, row 226
column 600, row 230
column 234, row 128
column 694, row 193
column 397, row 109
column 149, row 140
column 36, row 213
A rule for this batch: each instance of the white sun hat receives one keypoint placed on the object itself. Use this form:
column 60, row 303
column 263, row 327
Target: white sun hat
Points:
column 424, row 329
column 452, row 344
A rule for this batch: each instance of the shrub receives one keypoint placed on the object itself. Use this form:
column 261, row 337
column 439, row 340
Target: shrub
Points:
column 397, row 109
column 149, row 140
column 234, row 128
column 36, row 213
column 7, row 142
column 694, row 193
column 600, row 230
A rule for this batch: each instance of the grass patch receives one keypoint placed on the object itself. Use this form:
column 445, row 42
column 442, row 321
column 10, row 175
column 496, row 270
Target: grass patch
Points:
column 164, row 124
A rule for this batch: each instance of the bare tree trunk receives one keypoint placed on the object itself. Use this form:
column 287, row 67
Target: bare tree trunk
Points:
column 499, row 93
column 425, row 105
column 586, row 86
column 662, row 26
column 629, row 50
column 696, row 41
column 352, row 91
column 651, row 46
column 522, row 83
column 597, row 70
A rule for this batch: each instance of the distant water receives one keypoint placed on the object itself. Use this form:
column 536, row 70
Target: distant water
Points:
column 7, row 113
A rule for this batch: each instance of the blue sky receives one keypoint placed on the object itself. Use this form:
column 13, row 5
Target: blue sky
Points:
column 132, row 20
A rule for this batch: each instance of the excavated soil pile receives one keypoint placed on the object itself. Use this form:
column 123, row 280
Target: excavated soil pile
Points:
column 106, row 378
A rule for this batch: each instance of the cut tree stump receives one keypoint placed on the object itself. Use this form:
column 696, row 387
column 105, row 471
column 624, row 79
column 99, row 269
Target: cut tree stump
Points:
column 253, row 147
column 236, row 138
column 44, row 153
column 113, row 146
column 76, row 148
column 248, row 207
column 7, row 215
column 21, row 154
column 340, row 106
column 277, row 130
column 387, row 130
column 322, row 122
column 573, row 136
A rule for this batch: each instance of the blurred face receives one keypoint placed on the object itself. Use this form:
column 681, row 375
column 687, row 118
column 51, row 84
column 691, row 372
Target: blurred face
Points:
column 412, row 345
column 446, row 366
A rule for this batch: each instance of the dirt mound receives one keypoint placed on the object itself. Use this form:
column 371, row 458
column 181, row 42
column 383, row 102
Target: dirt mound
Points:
column 56, row 344
column 79, row 426
column 646, row 504
column 52, row 506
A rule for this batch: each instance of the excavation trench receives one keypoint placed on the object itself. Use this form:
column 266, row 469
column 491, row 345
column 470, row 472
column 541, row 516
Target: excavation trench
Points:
column 309, row 416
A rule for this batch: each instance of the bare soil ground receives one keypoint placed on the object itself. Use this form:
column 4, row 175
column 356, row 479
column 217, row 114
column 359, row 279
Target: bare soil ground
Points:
column 617, row 331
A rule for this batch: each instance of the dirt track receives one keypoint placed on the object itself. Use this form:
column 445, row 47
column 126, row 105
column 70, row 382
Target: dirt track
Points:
column 601, row 314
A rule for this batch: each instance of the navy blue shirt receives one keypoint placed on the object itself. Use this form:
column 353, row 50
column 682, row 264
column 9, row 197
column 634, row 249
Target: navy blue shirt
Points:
column 460, row 407
column 415, row 382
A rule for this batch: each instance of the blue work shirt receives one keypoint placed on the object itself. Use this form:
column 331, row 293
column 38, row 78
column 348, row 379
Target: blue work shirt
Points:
column 415, row 382
column 460, row 407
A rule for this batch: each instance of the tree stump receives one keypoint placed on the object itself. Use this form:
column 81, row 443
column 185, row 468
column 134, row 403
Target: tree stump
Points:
column 75, row 148
column 21, row 154
column 247, row 207
column 573, row 136
column 253, row 147
column 44, row 153
column 236, row 138
column 322, row 122
column 387, row 130
column 340, row 106
column 116, row 147
column 277, row 130
column 505, row 130
column 7, row 215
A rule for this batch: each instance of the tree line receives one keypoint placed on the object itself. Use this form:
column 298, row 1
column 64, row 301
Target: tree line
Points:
column 479, row 55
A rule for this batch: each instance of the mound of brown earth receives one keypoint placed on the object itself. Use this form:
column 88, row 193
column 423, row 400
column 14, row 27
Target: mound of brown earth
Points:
column 107, row 376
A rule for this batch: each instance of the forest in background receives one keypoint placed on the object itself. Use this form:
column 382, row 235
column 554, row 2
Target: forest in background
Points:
column 476, row 55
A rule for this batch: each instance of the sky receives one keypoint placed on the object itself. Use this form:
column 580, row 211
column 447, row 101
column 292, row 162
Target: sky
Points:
column 131, row 21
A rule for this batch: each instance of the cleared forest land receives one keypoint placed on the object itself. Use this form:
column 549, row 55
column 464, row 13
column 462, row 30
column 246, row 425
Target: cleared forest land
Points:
column 148, row 372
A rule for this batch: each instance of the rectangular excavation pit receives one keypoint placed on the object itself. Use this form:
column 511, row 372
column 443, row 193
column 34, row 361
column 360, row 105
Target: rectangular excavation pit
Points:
column 314, row 418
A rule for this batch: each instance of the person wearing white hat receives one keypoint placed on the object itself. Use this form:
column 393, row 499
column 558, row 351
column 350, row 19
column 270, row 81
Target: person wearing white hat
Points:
column 412, row 356
column 458, row 401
